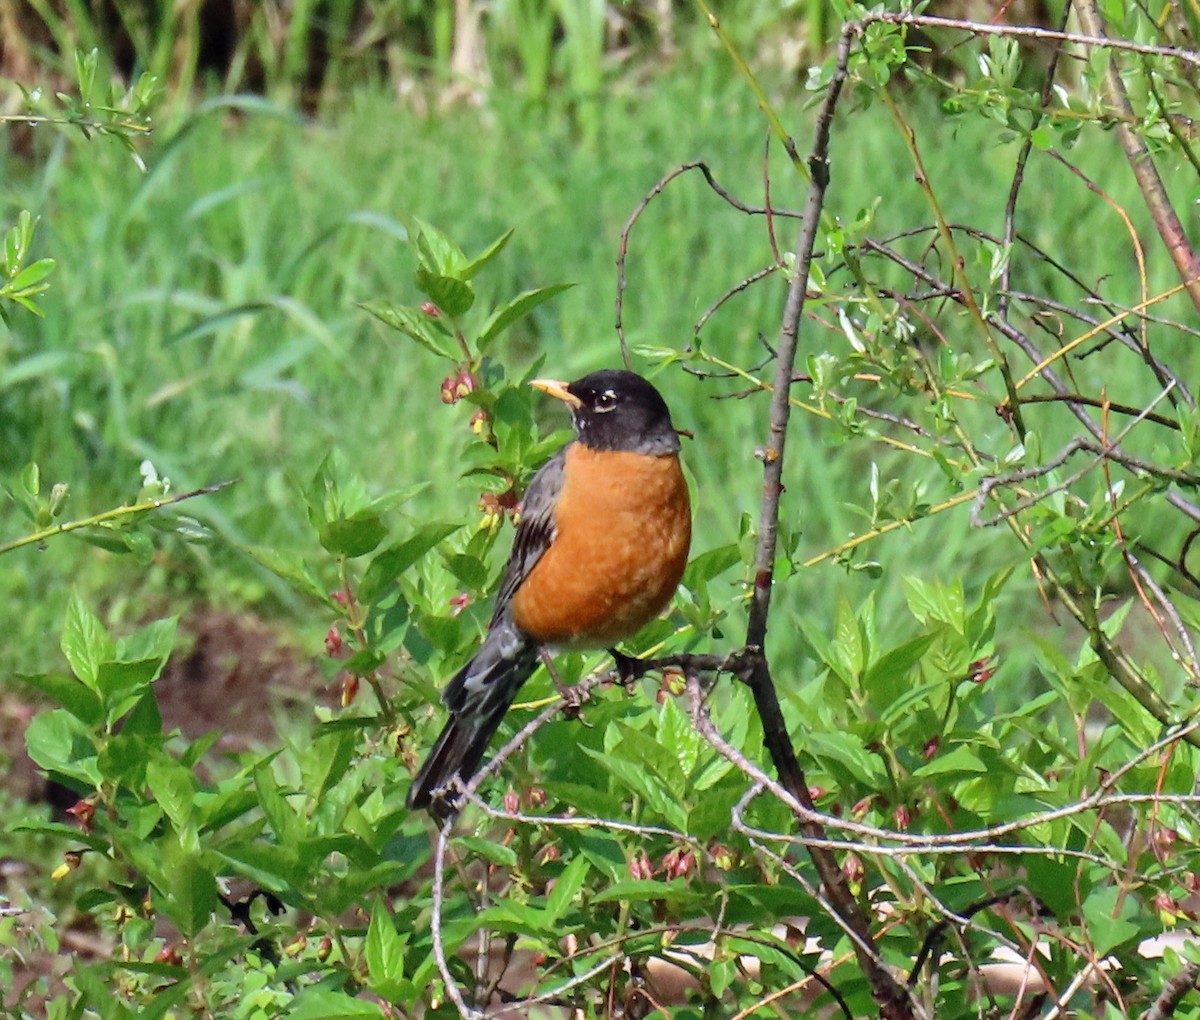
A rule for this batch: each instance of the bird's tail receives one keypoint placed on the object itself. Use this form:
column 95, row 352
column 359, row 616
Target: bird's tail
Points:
column 478, row 697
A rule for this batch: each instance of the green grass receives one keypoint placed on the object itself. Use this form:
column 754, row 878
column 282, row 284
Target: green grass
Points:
column 207, row 314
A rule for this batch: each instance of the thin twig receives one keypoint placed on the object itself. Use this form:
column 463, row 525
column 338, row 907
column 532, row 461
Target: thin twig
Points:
column 1096, row 41
column 108, row 516
column 653, row 193
column 1014, row 190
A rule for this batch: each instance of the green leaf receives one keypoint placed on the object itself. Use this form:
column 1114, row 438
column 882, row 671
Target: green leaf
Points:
column 121, row 684
column 145, row 719
column 155, row 640
column 710, row 564
column 31, row 479
column 517, row 308
column 848, row 639
column 284, row 821
column 124, row 757
column 97, row 991
column 353, row 536
column 675, row 892
column 486, row 256
column 566, row 888
column 887, row 678
column 58, row 830
column 453, row 297
column 437, row 251
column 328, row 1004
column 416, row 325
column 188, row 889
column 173, row 787
column 292, row 569
column 910, row 700
column 679, row 736
column 489, row 850
column 33, row 274
column 85, row 642
column 68, row 692
column 271, row 867
column 394, row 561
column 327, row 761
column 1106, row 930
column 636, row 778
column 941, row 602
column 961, row 760
column 834, row 748
column 138, row 543
column 385, row 954
column 60, row 743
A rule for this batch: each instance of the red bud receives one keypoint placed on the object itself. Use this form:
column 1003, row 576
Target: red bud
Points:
column 722, row 856
column 862, row 807
column 640, row 868
column 84, row 812
column 333, row 642
column 464, row 383
column 853, row 869
column 679, row 863
column 981, row 671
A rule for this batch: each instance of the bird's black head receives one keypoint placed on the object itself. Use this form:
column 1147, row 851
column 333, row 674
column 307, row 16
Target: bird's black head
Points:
column 617, row 410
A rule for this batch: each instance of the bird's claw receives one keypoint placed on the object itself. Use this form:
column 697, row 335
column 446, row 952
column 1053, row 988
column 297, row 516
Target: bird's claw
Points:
column 573, row 701
column 629, row 668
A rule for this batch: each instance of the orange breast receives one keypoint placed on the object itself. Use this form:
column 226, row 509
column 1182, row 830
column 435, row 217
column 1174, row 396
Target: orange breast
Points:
column 624, row 526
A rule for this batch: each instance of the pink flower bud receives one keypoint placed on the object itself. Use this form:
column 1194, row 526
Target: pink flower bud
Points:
column 333, row 641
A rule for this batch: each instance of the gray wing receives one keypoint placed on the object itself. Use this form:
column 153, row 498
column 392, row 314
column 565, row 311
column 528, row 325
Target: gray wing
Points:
column 535, row 531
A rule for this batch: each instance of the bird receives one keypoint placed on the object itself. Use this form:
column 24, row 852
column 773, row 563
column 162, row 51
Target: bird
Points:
column 600, row 547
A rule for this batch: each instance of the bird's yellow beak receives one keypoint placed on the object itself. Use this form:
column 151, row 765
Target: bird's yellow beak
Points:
column 557, row 389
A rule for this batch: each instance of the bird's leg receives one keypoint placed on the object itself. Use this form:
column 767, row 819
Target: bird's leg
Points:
column 570, row 695
column 548, row 662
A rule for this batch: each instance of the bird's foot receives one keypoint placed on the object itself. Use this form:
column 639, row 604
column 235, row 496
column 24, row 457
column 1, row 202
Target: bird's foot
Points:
column 630, row 668
column 573, row 701
column 446, row 801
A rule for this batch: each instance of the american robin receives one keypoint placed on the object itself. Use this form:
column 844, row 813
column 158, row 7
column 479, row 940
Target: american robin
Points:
column 601, row 545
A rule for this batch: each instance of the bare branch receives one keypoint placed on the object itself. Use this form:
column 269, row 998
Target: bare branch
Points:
column 1173, row 992
column 1166, row 220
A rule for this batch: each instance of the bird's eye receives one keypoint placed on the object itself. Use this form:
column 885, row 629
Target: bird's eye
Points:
column 606, row 401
